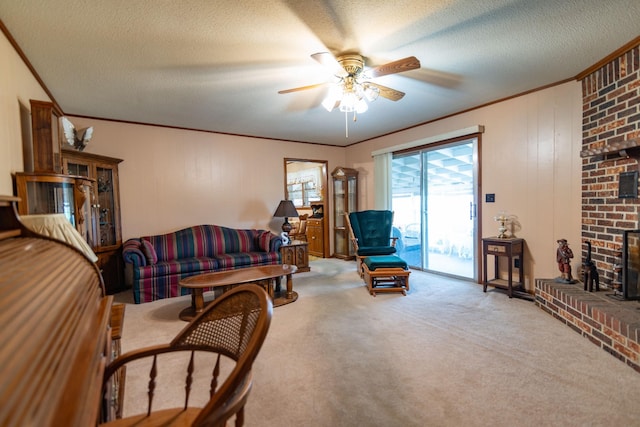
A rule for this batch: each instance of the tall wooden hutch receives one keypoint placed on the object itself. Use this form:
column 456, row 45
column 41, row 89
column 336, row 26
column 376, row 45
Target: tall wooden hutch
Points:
column 80, row 185
column 103, row 172
column 345, row 200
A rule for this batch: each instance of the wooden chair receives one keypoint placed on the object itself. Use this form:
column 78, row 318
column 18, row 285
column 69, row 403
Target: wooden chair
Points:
column 226, row 337
column 300, row 232
column 370, row 233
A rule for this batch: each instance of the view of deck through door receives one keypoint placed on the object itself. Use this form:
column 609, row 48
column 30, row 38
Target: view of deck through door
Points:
column 434, row 194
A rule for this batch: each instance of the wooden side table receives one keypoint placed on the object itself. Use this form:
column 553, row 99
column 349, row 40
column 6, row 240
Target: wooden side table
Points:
column 296, row 253
column 513, row 250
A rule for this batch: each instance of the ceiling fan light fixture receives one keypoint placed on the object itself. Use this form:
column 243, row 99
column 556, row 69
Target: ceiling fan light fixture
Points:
column 332, row 100
column 328, row 104
column 349, row 101
column 371, row 93
column 361, row 106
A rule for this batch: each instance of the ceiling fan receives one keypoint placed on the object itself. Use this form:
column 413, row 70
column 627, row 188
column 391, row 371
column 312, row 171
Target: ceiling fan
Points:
column 353, row 88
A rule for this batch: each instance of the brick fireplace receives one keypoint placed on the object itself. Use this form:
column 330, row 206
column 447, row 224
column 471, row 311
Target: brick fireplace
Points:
column 610, row 151
column 610, row 144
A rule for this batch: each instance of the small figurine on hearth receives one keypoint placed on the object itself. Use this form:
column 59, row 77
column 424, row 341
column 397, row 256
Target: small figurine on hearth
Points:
column 564, row 254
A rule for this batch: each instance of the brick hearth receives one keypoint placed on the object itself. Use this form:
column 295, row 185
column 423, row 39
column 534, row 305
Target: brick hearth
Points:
column 611, row 324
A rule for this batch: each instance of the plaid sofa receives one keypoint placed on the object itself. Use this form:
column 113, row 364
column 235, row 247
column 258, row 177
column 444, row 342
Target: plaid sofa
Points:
column 154, row 265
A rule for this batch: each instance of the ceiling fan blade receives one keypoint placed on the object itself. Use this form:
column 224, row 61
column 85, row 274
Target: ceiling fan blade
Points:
column 387, row 92
column 330, row 61
column 298, row 89
column 405, row 64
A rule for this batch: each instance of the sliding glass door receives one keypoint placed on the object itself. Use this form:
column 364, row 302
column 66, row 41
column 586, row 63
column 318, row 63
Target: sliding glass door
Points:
column 434, row 202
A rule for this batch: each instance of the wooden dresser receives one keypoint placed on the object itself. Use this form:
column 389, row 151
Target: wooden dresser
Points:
column 55, row 334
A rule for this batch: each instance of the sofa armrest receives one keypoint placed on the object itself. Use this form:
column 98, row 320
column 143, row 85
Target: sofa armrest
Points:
column 275, row 243
column 132, row 253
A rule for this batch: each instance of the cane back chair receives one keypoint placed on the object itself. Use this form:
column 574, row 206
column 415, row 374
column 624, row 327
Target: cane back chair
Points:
column 230, row 330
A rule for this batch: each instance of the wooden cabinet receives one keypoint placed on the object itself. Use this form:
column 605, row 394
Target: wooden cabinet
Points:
column 315, row 236
column 48, row 193
column 296, row 253
column 345, row 200
column 103, row 171
column 45, row 138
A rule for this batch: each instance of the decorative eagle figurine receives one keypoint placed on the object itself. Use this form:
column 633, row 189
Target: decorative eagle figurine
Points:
column 76, row 138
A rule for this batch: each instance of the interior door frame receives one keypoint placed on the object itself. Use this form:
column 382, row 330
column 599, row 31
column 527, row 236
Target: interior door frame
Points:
column 324, row 165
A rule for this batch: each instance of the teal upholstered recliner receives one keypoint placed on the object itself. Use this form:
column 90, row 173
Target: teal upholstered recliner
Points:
column 371, row 234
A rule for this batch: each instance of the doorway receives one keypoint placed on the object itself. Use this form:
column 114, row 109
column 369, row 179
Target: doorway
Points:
column 434, row 199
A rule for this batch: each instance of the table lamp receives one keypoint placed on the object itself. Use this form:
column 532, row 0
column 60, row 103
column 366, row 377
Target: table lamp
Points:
column 285, row 209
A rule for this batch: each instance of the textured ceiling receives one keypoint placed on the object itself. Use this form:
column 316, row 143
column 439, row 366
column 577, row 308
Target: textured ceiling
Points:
column 218, row 65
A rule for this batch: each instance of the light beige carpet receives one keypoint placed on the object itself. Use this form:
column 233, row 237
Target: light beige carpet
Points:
column 446, row 354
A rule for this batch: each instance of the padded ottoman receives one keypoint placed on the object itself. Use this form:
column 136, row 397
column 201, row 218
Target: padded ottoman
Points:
column 386, row 273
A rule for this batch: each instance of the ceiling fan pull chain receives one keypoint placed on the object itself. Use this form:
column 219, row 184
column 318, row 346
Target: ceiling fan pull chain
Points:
column 346, row 125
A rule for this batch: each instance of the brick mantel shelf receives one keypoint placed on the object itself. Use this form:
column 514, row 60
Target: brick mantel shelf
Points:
column 628, row 148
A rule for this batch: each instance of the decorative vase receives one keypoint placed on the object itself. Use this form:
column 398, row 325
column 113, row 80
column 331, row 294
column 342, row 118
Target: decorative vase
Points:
column 502, row 218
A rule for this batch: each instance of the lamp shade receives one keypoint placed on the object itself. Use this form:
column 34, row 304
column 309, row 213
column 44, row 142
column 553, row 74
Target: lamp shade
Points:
column 285, row 209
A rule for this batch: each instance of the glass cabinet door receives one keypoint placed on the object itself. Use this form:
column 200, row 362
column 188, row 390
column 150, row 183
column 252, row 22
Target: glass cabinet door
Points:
column 85, row 220
column 46, row 197
column 352, row 193
column 73, row 196
column 345, row 200
column 78, row 169
column 106, row 206
column 352, row 206
column 340, row 238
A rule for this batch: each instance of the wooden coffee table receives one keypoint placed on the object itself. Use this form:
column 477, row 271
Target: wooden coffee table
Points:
column 265, row 275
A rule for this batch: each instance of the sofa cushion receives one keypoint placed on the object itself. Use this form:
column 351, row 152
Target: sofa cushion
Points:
column 376, row 250
column 372, row 228
column 248, row 259
column 203, row 241
column 264, row 240
column 385, row 261
column 188, row 266
column 153, row 282
column 149, row 252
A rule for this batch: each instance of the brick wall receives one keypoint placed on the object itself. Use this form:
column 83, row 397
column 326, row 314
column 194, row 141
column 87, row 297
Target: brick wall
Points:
column 611, row 117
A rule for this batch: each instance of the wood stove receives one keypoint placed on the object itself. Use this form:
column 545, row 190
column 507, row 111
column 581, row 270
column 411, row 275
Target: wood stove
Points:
column 631, row 265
